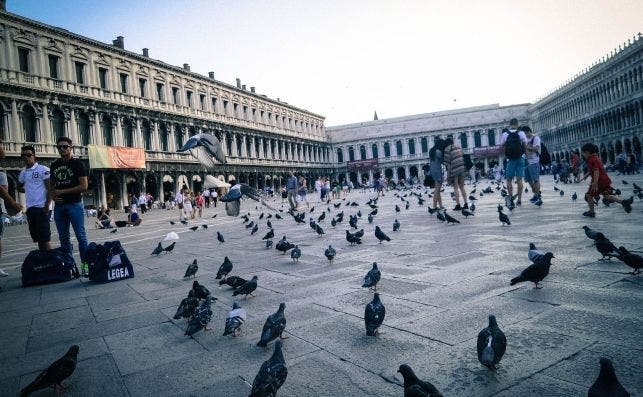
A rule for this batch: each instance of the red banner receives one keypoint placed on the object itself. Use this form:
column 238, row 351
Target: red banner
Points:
column 101, row 157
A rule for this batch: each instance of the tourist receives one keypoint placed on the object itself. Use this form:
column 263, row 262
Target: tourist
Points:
column 435, row 170
column 214, row 196
column 206, row 198
column 11, row 205
column 103, row 219
column 532, row 171
column 291, row 189
column 34, row 182
column 178, row 199
column 302, row 190
column 513, row 143
column 318, row 188
column 142, row 203
column 199, row 200
column 454, row 161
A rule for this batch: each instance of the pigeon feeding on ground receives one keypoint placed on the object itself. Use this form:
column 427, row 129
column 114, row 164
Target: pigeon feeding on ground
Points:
column 187, row 306
column 372, row 278
column 319, row 230
column 157, row 251
column 274, row 327
column 220, row 237
column 268, row 243
column 201, row 317
column 449, row 219
column 184, row 222
column 414, row 387
column 199, row 290
column 225, row 268
column 192, row 269
column 466, row 213
column 284, row 245
column 330, row 253
column 536, row 272
column 236, row 318
column 55, row 374
column 194, row 228
column 607, row 384
column 396, row 225
column 254, row 230
column 370, row 218
column 114, row 231
column 574, row 196
column 269, row 235
column 492, row 344
column 204, row 226
column 632, row 260
column 271, row 375
column 351, row 238
column 504, row 219
column 321, row 217
column 537, row 256
column 249, row 225
column 170, row 247
column 605, row 247
column 233, row 281
column 247, row 288
column 380, row 235
column 295, row 254
column 591, row 234
column 374, row 314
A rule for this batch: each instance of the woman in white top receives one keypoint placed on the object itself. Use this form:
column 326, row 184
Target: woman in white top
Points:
column 187, row 206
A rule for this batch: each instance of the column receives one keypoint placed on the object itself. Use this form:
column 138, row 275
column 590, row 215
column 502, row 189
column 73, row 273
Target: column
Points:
column 124, row 198
column 395, row 174
column 155, row 135
column 407, row 173
column 470, row 141
column 171, row 142
column 138, row 139
column 118, row 132
column 43, row 134
column 94, row 138
column 16, row 134
column 370, row 176
column 485, row 138
column 103, row 191
column 262, row 155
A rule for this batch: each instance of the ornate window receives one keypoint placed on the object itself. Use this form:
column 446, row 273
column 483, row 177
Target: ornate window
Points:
column 106, row 127
column 477, row 139
column 425, row 144
column 83, row 128
column 375, row 150
column 58, row 123
column 29, row 124
column 163, row 137
column 362, row 152
column 463, row 140
column 411, row 146
column 147, row 135
column 351, row 154
column 387, row 149
column 340, row 156
column 491, row 135
column 398, row 148
column 128, row 132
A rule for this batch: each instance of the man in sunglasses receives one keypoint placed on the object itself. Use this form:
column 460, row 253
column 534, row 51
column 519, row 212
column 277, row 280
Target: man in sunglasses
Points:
column 34, row 182
column 68, row 182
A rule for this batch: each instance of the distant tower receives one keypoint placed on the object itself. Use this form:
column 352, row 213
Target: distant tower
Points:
column 375, row 116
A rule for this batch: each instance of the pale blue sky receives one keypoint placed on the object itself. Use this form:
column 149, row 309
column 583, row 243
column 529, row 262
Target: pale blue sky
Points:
column 344, row 59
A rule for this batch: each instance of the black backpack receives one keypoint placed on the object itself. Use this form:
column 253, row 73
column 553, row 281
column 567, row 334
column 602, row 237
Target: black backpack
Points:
column 468, row 163
column 47, row 267
column 108, row 262
column 513, row 146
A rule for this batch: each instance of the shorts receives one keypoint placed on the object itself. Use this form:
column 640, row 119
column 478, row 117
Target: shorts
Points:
column 38, row 225
column 532, row 172
column 515, row 168
column 604, row 190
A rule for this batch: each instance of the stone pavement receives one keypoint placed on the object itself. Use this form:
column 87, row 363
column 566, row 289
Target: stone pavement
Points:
column 439, row 284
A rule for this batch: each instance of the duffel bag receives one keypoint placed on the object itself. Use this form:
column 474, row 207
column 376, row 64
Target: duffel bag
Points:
column 108, row 262
column 47, row 267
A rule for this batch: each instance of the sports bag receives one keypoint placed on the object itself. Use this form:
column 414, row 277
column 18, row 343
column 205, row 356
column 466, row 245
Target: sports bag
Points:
column 513, row 146
column 47, row 267
column 108, row 262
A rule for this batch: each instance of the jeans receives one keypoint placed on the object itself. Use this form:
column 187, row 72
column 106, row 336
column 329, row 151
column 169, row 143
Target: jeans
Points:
column 292, row 193
column 64, row 214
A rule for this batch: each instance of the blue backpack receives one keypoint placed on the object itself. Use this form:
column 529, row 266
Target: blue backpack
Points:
column 47, row 267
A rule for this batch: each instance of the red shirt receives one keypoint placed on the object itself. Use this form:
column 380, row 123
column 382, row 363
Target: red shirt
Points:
column 199, row 200
column 594, row 163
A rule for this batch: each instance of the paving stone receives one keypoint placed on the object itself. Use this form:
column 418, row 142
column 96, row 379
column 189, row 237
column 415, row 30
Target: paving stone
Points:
column 541, row 385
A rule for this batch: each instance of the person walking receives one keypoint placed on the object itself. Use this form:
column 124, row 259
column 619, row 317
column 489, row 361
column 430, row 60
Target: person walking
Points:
column 199, row 200
column 454, row 161
column 142, row 203
column 291, row 189
column 12, row 206
column 435, row 170
column 532, row 171
column 302, row 190
column 34, row 182
column 179, row 198
column 513, row 143
column 68, row 182
column 318, row 188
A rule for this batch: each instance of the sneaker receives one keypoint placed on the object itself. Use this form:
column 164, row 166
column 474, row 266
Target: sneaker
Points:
column 627, row 204
column 457, row 208
column 3, row 273
column 518, row 202
column 534, row 199
column 589, row 214
column 605, row 202
column 84, row 269
column 539, row 202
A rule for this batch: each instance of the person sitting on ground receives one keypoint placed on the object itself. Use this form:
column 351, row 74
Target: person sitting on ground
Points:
column 134, row 219
column 104, row 221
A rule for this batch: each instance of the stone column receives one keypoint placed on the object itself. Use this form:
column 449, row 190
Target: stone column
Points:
column 103, row 190
column 370, row 176
column 171, row 142
column 44, row 133
column 262, row 155
column 395, row 177
column 138, row 139
column 155, row 135
column 470, row 141
column 124, row 198
column 16, row 134
column 407, row 172
column 485, row 138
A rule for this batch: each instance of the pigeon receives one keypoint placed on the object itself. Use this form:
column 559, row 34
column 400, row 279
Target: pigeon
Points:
column 284, row 245
column 374, row 314
column 466, row 213
column 204, row 226
column 249, row 225
column 268, row 243
column 333, row 222
column 321, row 217
column 172, row 223
column 269, row 224
column 233, row 281
column 492, row 344
column 352, row 221
column 632, row 260
column 199, row 290
column 194, row 228
column 330, row 253
column 574, row 196
column 295, row 254
column 269, row 235
column 380, row 235
column 562, row 192
column 187, row 306
column 312, row 209
column 370, row 218
column 472, row 207
column 201, row 317
column 261, row 216
column 225, row 268
column 279, row 216
column 624, row 182
column 413, row 387
column 605, row 247
column 254, row 230
column 396, row 225
column 433, row 210
column 319, row 230
column 236, row 317
column 191, row 270
column 247, row 288
column 407, row 205
column 359, row 214
column 114, row 231
column 397, row 208
column 607, row 385
column 214, row 216
column 157, row 251
column 220, row 237
column 556, row 189
column 372, row 278
column 337, row 205
column 274, row 327
column 449, row 218
column 170, row 247
column 271, row 375
column 535, row 272
column 439, row 214
column 54, row 375
column 352, row 238
column 184, row 222
column 538, row 257
column 504, row 219
column 374, row 212
column 591, row 234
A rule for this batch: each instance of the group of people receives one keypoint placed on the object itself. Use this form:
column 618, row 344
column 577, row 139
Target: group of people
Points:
column 63, row 184
column 190, row 204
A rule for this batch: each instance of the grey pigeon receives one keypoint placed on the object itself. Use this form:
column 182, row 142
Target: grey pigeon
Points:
column 184, row 222
column 194, row 228
column 274, row 326
column 352, row 238
column 295, row 254
column 271, row 375
column 225, row 268
column 397, row 208
column 591, row 234
column 249, row 225
column 254, row 230
column 199, row 290
column 372, row 277
column 492, row 344
column 574, row 196
column 284, row 245
column 449, row 219
column 321, row 217
column 466, row 213
column 204, row 226
column 187, row 306
column 538, row 256
column 330, row 253
column 220, row 238
column 269, row 224
column 191, row 270
column 380, row 235
column 114, row 231
column 201, row 317
column 631, row 259
column 605, row 247
column 236, row 318
column 158, row 250
column 269, row 235
column 370, row 218
column 414, row 387
column 247, row 288
column 170, row 247
column 55, row 373
column 374, row 314
column 319, row 230
column 440, row 215
column 504, row 219
column 607, row 384
column 233, row 281
column 535, row 272
column 396, row 225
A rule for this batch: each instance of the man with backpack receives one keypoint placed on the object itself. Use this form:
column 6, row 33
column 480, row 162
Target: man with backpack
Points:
column 513, row 143
column 532, row 171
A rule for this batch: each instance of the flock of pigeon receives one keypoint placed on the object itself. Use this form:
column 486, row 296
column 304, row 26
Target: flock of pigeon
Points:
column 196, row 308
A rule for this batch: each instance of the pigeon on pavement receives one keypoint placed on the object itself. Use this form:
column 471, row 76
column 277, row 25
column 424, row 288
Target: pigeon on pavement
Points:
column 157, row 251
column 194, row 228
column 372, row 278
column 330, row 253
column 351, row 238
column 535, row 272
column 201, row 317
column 396, row 225
column 55, row 374
column 225, row 268
column 449, row 218
column 591, row 234
column 236, row 317
column 374, row 314
column 271, row 375
column 538, row 256
column 504, row 219
column 220, row 237
column 607, row 384
column 247, row 288
column 380, row 235
column 631, row 259
column 274, row 327
column 269, row 235
column 199, row 290
column 254, row 230
column 233, row 281
column 414, row 387
column 187, row 306
column 268, row 243
column 295, row 254
column 191, row 270
column 492, row 344
column 170, row 247
column 284, row 245
column 605, row 247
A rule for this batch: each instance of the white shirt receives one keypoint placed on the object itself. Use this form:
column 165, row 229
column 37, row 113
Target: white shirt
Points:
column 33, row 180
column 533, row 157
column 178, row 198
column 214, row 194
column 206, row 193
column 142, row 200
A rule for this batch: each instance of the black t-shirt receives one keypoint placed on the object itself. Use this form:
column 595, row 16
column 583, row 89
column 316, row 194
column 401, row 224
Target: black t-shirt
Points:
column 66, row 174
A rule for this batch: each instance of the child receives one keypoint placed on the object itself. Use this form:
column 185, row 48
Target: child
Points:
column 600, row 184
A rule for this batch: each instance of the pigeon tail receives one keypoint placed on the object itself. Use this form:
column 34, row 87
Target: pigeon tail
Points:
column 517, row 280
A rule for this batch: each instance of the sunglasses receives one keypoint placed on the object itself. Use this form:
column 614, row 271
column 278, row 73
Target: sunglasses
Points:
column 26, row 155
column 63, row 147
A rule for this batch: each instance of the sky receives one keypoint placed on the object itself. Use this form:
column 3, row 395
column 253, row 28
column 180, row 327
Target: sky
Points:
column 345, row 59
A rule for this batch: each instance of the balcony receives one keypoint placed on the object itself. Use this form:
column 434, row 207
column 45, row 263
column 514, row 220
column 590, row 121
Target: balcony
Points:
column 27, row 78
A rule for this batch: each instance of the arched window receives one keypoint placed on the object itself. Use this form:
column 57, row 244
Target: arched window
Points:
column 147, row 135
column 351, row 154
column 425, row 144
column 128, row 132
column 257, row 147
column 463, row 140
column 248, row 146
column 375, row 152
column 28, row 117
column 83, row 128
column 178, row 137
column 340, row 156
column 239, row 145
column 362, row 152
column 163, row 137
column 106, row 129
column 411, row 146
column 491, row 135
column 387, row 149
column 398, row 148
column 477, row 139
column 58, row 123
